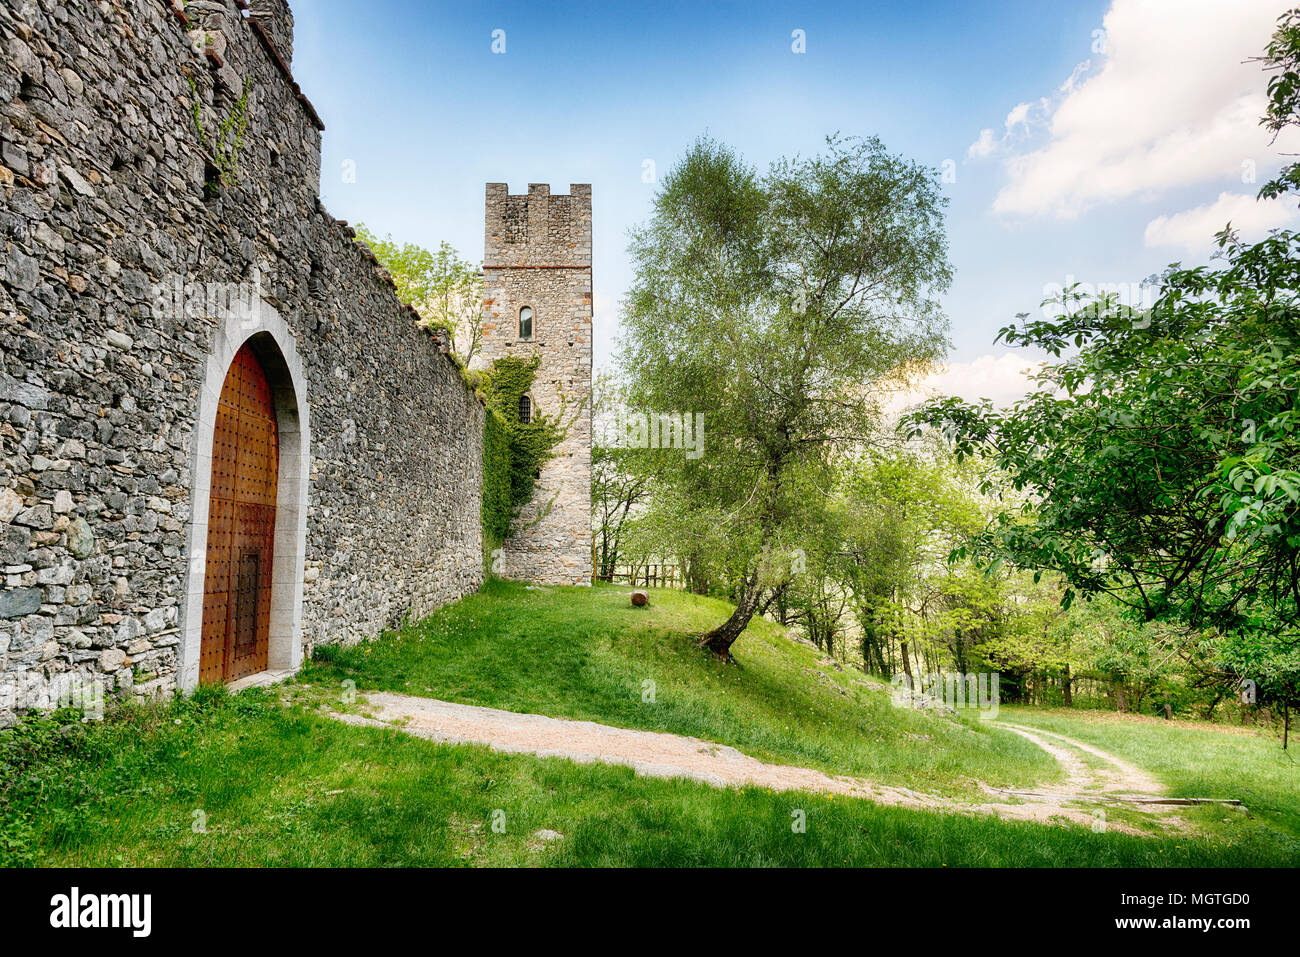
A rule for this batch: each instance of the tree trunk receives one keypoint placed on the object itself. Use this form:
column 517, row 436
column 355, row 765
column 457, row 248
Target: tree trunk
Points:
column 1066, row 691
column 720, row 639
column 696, row 581
column 907, row 667
column 959, row 653
column 699, row 580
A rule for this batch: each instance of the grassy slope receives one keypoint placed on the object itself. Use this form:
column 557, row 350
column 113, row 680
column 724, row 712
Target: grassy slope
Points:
column 1198, row 760
column 586, row 653
column 280, row 784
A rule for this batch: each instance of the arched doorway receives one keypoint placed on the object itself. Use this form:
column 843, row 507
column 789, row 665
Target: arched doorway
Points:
column 241, row 340
column 241, row 525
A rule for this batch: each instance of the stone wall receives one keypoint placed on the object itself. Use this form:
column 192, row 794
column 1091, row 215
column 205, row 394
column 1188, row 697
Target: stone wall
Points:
column 537, row 253
column 107, row 194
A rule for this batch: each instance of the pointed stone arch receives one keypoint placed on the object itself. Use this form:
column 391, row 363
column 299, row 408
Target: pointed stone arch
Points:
column 265, row 332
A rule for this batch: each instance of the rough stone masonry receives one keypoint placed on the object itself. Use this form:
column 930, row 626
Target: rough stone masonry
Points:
column 116, row 182
column 537, row 257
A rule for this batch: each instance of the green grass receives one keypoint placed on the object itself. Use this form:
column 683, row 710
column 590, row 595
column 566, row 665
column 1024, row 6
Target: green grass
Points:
column 1198, row 760
column 281, row 785
column 585, row 653
column 278, row 783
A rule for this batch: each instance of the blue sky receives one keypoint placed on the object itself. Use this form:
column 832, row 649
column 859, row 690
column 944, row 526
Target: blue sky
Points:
column 1068, row 185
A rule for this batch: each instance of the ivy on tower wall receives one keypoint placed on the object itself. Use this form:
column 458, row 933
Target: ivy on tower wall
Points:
column 513, row 451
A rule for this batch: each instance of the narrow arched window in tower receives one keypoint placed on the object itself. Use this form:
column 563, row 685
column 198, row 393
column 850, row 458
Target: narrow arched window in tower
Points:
column 526, row 322
column 525, row 409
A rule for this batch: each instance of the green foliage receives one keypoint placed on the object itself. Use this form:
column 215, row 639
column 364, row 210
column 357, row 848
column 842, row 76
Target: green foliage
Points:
column 445, row 289
column 778, row 306
column 620, row 482
column 900, row 512
column 1161, row 461
column 1282, row 59
column 498, row 508
column 1158, row 463
column 513, row 451
column 225, row 147
column 39, row 754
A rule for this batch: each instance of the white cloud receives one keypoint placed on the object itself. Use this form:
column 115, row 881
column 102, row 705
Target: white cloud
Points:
column 1194, row 229
column 1003, row 379
column 1072, row 81
column 1019, row 116
column 1016, row 128
column 1173, row 104
column 983, row 146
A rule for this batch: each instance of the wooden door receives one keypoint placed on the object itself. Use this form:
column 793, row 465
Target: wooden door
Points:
column 241, row 526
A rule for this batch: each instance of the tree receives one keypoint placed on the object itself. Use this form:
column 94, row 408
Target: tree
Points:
column 904, row 509
column 1282, row 59
column 1161, row 459
column 445, row 289
column 779, row 305
column 620, row 479
column 815, row 598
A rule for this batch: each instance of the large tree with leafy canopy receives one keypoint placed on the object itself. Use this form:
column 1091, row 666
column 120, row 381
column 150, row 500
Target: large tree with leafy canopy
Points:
column 1160, row 456
column 779, row 305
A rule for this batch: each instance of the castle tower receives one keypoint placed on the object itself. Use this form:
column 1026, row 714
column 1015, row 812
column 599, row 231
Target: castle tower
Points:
column 537, row 301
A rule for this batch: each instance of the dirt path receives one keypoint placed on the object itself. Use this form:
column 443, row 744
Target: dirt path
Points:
column 657, row 754
column 1078, row 777
column 1087, row 789
column 1116, row 776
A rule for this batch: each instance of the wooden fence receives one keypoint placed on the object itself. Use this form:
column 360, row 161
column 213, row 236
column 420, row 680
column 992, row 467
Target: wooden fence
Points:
column 648, row 576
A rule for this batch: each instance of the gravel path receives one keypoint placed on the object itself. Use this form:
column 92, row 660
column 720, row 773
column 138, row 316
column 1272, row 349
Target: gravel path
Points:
column 657, row 754
column 1117, row 776
column 652, row 753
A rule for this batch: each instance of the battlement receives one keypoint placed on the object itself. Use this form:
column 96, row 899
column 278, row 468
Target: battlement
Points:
column 537, row 229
